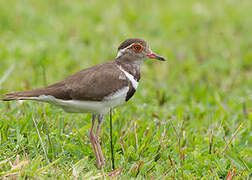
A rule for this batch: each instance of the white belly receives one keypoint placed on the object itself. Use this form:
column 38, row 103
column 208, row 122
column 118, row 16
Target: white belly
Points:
column 77, row 106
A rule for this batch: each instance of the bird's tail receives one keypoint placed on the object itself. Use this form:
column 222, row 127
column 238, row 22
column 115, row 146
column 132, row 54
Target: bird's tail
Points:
column 18, row 96
column 57, row 90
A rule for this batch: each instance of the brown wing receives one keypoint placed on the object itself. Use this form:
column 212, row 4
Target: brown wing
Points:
column 89, row 84
column 95, row 83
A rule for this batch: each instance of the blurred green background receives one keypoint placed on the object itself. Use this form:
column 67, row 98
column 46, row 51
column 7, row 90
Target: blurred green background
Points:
column 185, row 112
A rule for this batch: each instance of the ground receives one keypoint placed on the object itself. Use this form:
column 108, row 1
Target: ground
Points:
column 191, row 117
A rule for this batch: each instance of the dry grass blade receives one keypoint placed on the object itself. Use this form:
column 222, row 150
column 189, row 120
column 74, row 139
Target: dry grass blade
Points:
column 4, row 161
column 20, row 164
column 225, row 142
column 78, row 167
column 14, row 172
column 136, row 139
column 171, row 162
column 40, row 139
column 230, row 175
column 122, row 145
column 115, row 173
column 173, row 167
column 16, row 161
column 13, row 176
column 49, row 165
column 235, row 133
column 210, row 142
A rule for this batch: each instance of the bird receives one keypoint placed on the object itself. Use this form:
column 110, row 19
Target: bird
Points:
column 96, row 89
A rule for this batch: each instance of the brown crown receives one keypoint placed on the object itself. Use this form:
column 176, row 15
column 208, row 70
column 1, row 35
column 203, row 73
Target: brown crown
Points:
column 128, row 42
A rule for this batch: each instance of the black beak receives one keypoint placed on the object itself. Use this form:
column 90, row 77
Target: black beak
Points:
column 153, row 55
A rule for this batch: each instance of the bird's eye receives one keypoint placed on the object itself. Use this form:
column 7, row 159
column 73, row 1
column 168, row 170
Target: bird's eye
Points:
column 137, row 47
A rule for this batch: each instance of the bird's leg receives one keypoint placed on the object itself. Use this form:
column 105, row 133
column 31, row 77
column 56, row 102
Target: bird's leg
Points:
column 93, row 140
column 100, row 120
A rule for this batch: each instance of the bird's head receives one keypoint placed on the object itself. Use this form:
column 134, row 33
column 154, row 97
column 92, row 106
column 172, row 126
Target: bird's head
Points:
column 136, row 50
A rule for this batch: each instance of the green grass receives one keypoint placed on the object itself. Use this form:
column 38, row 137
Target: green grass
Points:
column 184, row 114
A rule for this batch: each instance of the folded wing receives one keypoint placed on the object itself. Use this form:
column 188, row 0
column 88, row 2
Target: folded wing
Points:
column 91, row 84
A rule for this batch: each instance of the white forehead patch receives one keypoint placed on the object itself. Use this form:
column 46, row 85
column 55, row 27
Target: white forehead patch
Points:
column 121, row 51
